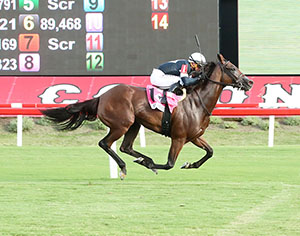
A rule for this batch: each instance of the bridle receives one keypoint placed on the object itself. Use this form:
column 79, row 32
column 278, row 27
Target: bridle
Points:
column 236, row 81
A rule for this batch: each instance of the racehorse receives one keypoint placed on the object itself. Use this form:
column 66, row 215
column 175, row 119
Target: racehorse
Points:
column 125, row 108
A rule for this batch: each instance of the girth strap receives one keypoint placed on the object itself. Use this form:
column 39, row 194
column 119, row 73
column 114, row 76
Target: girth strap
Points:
column 166, row 119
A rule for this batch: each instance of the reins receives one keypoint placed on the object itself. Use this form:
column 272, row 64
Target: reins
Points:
column 203, row 105
column 212, row 81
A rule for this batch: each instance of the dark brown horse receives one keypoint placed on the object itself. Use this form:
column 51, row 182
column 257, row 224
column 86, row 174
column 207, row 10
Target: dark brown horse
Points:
column 125, row 108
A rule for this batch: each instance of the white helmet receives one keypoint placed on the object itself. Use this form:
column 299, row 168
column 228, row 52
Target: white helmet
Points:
column 197, row 57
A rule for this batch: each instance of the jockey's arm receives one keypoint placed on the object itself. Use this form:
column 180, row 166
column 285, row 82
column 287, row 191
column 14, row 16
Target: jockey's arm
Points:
column 188, row 81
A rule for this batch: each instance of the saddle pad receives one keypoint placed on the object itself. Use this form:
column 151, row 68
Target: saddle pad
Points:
column 155, row 95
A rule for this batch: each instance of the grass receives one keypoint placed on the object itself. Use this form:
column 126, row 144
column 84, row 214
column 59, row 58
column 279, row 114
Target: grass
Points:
column 58, row 184
column 67, row 191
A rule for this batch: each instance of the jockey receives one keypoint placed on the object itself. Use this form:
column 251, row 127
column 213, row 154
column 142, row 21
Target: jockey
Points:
column 179, row 73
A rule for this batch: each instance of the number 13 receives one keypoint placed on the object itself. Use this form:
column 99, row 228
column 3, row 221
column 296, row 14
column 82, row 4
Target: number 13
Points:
column 160, row 5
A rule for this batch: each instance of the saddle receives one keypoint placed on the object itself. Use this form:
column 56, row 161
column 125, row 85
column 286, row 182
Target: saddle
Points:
column 165, row 102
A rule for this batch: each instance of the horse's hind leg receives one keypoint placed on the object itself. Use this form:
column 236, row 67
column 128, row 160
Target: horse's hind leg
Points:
column 127, row 147
column 106, row 143
column 199, row 142
column 127, row 143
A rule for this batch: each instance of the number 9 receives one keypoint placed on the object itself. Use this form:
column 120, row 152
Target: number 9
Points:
column 93, row 4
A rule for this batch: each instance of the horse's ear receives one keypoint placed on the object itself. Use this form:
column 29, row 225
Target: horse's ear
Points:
column 221, row 58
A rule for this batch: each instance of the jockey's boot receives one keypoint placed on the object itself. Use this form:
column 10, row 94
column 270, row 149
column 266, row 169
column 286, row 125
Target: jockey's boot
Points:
column 175, row 87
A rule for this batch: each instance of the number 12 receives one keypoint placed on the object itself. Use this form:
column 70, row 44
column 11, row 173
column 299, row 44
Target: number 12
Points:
column 94, row 61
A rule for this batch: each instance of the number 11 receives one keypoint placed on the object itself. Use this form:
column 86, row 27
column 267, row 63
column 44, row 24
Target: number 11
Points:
column 94, row 41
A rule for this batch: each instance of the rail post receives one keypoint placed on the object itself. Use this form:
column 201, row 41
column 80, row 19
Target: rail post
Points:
column 142, row 136
column 271, row 131
column 113, row 166
column 19, row 130
column 19, row 124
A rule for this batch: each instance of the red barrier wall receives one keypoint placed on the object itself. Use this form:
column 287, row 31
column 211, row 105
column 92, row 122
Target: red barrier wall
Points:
column 266, row 89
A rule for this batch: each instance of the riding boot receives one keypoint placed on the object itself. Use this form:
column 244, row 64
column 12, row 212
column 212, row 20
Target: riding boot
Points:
column 175, row 87
column 183, row 83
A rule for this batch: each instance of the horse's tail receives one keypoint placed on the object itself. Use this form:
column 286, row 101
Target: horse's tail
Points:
column 73, row 115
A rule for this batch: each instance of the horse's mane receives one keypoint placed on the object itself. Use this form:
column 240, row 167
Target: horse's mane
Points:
column 207, row 70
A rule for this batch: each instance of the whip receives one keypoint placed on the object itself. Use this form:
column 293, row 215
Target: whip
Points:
column 198, row 43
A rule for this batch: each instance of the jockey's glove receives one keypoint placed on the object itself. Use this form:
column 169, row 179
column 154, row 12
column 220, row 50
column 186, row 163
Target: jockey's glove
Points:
column 196, row 74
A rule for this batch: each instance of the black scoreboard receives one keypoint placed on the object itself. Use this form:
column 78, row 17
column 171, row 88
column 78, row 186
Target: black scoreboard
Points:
column 98, row 37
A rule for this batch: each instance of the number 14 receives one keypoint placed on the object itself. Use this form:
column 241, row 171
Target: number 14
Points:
column 160, row 21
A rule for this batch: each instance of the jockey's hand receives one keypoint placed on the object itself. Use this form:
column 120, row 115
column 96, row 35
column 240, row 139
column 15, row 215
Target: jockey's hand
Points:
column 183, row 81
column 196, row 74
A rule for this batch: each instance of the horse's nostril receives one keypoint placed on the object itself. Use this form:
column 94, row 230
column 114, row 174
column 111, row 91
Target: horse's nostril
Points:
column 250, row 82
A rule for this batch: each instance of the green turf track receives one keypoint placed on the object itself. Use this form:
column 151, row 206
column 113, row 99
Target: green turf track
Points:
column 67, row 191
column 269, row 33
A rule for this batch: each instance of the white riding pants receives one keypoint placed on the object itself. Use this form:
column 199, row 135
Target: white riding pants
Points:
column 162, row 80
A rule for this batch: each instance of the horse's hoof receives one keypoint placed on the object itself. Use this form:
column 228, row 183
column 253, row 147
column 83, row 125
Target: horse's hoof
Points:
column 155, row 171
column 186, row 165
column 139, row 160
column 123, row 173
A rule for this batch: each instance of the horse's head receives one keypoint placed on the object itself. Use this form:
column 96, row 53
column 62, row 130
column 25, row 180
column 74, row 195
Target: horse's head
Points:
column 232, row 76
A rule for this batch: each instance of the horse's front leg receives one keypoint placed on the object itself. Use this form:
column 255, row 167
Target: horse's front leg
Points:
column 201, row 143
